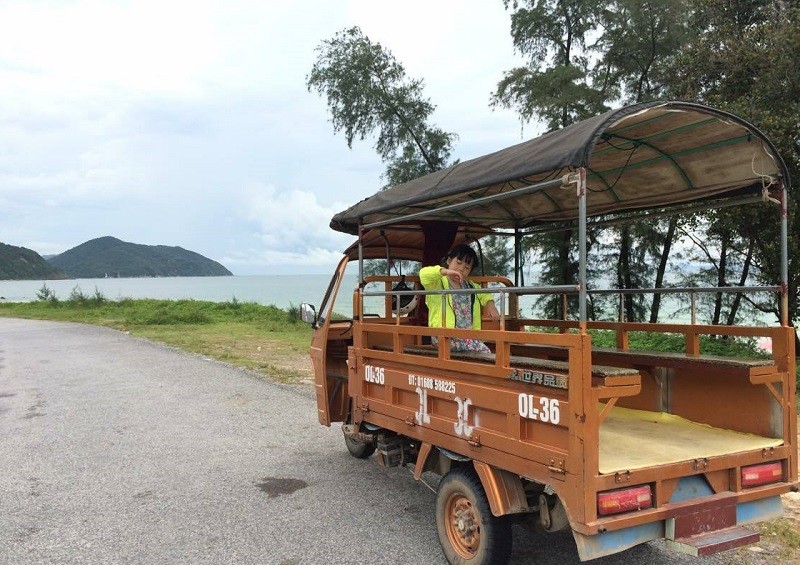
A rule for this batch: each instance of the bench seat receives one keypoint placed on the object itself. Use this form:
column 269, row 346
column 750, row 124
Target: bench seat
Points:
column 601, row 375
column 668, row 359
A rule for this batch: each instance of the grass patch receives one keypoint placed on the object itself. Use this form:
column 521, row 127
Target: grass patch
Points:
column 783, row 537
column 262, row 338
column 786, row 531
column 652, row 341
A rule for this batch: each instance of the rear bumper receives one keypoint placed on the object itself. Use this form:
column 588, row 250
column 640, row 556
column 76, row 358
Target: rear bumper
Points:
column 609, row 543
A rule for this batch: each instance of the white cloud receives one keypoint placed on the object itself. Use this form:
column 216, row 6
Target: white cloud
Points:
column 271, row 261
column 292, row 222
column 189, row 123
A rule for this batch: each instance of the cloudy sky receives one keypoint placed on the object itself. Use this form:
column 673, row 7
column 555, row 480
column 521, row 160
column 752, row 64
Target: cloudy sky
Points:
column 189, row 123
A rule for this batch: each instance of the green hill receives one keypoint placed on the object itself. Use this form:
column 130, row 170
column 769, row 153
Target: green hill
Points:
column 20, row 263
column 109, row 256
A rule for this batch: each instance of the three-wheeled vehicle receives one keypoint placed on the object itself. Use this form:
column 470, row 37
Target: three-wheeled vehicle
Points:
column 620, row 445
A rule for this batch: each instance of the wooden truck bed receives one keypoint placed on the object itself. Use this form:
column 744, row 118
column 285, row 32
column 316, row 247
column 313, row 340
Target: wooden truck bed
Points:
column 634, row 439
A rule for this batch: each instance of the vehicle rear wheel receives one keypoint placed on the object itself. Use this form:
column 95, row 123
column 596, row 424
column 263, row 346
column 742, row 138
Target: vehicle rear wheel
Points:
column 468, row 532
column 358, row 449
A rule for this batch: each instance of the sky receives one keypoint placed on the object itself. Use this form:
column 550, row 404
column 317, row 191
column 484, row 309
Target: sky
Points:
column 189, row 123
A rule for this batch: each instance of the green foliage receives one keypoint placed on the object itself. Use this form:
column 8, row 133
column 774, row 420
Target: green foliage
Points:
column 78, row 298
column 638, row 42
column 367, row 92
column 652, row 341
column 745, row 58
column 557, row 84
column 148, row 312
column 740, row 56
column 293, row 314
column 561, row 95
column 557, row 255
column 569, row 79
column 380, row 267
column 46, row 294
column 20, row 263
column 627, row 253
column 497, row 256
column 108, row 256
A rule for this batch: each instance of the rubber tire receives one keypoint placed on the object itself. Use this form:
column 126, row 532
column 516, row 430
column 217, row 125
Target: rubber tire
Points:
column 358, row 449
column 462, row 488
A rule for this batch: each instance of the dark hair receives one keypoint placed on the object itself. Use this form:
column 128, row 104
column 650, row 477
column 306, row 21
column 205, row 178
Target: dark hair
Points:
column 464, row 253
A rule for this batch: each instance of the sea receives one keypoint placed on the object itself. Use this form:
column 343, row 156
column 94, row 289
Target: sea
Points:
column 282, row 291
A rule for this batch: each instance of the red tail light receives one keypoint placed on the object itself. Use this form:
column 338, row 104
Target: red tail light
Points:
column 624, row 500
column 762, row 474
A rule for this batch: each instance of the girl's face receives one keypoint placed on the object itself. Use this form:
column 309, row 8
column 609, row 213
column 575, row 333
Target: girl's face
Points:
column 463, row 266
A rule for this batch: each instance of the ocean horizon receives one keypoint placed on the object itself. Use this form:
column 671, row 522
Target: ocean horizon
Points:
column 282, row 291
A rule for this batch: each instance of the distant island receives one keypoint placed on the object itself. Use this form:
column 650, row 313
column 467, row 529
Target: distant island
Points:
column 112, row 257
column 21, row 263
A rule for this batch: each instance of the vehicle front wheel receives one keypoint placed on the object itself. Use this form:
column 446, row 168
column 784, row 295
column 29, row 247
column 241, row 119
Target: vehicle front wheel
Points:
column 468, row 532
column 358, row 449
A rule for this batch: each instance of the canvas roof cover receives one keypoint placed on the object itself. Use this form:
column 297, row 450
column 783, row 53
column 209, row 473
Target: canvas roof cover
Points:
column 641, row 156
column 407, row 241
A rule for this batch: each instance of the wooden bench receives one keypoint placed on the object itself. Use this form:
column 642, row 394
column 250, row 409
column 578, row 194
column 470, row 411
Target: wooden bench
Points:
column 601, row 375
column 641, row 359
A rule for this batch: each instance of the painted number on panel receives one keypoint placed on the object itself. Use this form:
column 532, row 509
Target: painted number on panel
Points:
column 543, row 409
column 374, row 374
column 422, row 416
column 462, row 428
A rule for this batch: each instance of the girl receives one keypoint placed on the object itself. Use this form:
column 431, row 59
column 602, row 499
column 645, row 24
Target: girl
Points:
column 462, row 310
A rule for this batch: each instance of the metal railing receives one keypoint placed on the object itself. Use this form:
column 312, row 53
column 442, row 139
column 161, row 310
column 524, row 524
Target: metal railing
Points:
column 565, row 290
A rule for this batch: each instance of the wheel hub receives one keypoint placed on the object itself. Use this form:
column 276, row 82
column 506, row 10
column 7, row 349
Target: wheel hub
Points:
column 463, row 526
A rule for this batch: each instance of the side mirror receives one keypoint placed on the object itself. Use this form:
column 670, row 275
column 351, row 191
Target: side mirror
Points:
column 308, row 313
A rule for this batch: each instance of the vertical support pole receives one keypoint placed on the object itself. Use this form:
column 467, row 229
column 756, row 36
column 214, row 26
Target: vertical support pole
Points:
column 360, row 270
column 360, row 257
column 784, row 254
column 693, row 309
column 503, row 300
column 622, row 333
column 517, row 256
column 582, row 297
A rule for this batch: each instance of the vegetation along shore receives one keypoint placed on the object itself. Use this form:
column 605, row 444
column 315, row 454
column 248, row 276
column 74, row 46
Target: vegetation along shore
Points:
column 267, row 339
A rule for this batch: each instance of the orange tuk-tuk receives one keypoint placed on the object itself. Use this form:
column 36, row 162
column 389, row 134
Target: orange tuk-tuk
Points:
column 620, row 445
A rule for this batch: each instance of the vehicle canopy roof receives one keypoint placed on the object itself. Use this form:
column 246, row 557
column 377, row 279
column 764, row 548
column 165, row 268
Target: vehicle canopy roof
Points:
column 655, row 154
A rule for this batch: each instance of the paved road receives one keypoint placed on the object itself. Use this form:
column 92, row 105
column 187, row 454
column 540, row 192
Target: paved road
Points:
column 118, row 450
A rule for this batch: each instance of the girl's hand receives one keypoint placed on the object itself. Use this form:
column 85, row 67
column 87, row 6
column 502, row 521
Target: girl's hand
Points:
column 453, row 275
column 492, row 312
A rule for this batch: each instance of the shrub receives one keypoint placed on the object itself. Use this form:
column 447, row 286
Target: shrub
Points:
column 98, row 298
column 293, row 314
column 77, row 296
column 45, row 294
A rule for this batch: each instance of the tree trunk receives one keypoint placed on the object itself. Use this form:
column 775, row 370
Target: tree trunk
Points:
column 743, row 279
column 624, row 271
column 662, row 268
column 563, row 257
column 723, row 266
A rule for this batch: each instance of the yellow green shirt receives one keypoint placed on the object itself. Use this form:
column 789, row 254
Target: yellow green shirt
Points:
column 431, row 279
